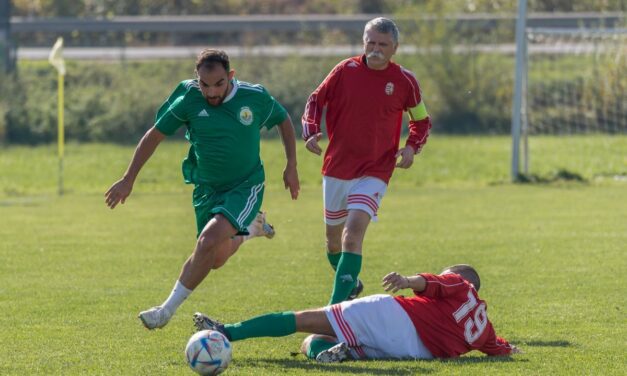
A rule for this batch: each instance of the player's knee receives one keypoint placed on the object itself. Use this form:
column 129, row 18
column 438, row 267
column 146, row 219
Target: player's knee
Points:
column 205, row 244
column 305, row 346
column 351, row 242
column 334, row 245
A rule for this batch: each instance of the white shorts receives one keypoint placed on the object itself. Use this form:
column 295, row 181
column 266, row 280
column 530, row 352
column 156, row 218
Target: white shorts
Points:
column 376, row 327
column 339, row 196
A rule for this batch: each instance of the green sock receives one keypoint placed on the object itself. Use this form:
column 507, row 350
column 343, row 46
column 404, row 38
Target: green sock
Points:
column 334, row 259
column 271, row 325
column 345, row 276
column 317, row 346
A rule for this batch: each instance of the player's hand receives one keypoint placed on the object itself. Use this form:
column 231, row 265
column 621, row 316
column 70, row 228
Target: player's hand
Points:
column 290, row 179
column 312, row 144
column 394, row 282
column 407, row 157
column 516, row 350
column 118, row 192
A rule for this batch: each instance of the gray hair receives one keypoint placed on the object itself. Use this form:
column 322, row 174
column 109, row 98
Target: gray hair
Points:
column 383, row 25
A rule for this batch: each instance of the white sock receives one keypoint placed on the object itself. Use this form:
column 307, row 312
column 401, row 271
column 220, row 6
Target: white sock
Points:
column 177, row 296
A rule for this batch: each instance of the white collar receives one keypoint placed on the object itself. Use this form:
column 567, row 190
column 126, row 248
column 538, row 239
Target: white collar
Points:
column 232, row 93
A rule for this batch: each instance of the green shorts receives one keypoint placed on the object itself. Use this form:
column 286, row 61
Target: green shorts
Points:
column 239, row 204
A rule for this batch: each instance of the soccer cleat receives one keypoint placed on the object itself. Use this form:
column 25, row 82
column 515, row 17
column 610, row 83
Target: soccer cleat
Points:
column 259, row 227
column 359, row 287
column 155, row 317
column 204, row 322
column 335, row 354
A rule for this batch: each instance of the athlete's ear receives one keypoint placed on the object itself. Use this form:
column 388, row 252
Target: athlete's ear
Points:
column 231, row 74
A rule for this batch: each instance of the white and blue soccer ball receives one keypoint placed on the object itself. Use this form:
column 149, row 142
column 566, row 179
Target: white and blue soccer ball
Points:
column 208, row 352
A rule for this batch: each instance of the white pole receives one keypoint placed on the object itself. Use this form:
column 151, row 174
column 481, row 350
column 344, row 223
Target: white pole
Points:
column 524, row 106
column 521, row 22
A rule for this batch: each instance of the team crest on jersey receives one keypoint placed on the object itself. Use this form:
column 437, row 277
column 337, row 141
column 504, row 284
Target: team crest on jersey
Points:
column 389, row 88
column 245, row 116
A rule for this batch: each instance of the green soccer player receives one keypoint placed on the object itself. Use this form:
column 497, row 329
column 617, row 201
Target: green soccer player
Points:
column 223, row 117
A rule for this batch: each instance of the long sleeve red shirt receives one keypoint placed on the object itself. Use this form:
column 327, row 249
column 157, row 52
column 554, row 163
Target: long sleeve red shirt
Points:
column 364, row 117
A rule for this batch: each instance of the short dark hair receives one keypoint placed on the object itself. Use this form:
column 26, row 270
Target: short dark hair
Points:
column 209, row 58
column 467, row 272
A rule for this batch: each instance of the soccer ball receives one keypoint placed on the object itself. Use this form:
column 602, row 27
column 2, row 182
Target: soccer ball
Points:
column 208, row 352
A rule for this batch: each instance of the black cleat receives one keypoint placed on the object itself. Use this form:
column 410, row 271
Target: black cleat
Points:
column 359, row 287
column 203, row 322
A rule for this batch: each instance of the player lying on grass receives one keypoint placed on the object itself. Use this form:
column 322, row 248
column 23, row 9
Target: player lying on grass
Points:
column 444, row 319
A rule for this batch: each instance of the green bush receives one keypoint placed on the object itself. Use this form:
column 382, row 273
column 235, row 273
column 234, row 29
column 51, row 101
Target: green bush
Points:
column 466, row 92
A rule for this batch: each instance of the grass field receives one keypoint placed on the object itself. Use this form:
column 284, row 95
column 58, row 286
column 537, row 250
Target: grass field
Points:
column 74, row 274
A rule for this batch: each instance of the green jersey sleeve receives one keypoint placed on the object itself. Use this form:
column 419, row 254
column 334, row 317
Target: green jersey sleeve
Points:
column 276, row 112
column 172, row 118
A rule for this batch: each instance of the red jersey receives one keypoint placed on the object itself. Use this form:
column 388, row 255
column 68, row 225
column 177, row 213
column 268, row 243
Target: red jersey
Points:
column 363, row 119
column 451, row 319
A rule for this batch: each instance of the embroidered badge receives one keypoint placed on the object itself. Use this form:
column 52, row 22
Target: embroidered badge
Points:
column 389, row 88
column 245, row 116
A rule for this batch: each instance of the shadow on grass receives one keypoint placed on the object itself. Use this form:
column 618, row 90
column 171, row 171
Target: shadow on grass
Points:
column 559, row 176
column 345, row 367
column 483, row 359
column 548, row 343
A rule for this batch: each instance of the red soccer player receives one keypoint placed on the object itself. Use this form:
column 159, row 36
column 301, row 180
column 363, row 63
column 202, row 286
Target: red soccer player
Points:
column 365, row 98
column 444, row 319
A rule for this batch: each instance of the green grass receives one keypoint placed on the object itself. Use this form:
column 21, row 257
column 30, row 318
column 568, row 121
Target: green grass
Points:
column 446, row 161
column 74, row 274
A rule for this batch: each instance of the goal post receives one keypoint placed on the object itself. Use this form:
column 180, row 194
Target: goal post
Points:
column 569, row 82
column 521, row 23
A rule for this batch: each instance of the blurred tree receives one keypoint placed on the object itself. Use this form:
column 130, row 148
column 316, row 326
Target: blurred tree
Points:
column 110, row 8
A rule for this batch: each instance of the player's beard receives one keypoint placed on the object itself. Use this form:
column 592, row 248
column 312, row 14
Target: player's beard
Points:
column 215, row 101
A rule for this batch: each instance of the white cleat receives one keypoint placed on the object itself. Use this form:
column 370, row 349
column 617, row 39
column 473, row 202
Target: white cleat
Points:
column 335, row 354
column 155, row 317
column 259, row 227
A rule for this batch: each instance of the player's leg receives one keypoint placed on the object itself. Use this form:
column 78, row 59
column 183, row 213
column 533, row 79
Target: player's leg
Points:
column 334, row 243
column 362, row 203
column 277, row 324
column 315, row 344
column 259, row 227
column 240, row 206
column 349, row 264
column 334, row 192
column 213, row 237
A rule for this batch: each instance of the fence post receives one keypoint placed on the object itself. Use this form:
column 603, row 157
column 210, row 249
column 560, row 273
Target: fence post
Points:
column 7, row 56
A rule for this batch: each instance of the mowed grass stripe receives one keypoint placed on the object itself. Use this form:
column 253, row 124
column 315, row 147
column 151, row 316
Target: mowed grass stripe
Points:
column 75, row 274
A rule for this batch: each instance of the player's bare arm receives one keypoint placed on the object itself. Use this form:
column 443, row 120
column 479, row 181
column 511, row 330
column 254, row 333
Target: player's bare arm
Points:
column 312, row 144
column 122, row 188
column 290, row 174
column 394, row 282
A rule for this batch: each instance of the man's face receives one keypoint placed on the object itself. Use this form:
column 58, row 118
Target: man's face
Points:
column 379, row 48
column 214, row 83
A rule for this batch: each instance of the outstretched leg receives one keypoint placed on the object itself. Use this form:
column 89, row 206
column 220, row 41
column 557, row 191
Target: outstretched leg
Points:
column 277, row 324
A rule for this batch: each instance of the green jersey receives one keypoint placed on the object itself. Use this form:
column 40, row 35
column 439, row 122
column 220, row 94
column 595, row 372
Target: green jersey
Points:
column 224, row 139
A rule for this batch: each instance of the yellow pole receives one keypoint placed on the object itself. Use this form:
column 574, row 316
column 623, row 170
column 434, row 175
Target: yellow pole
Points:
column 60, row 130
